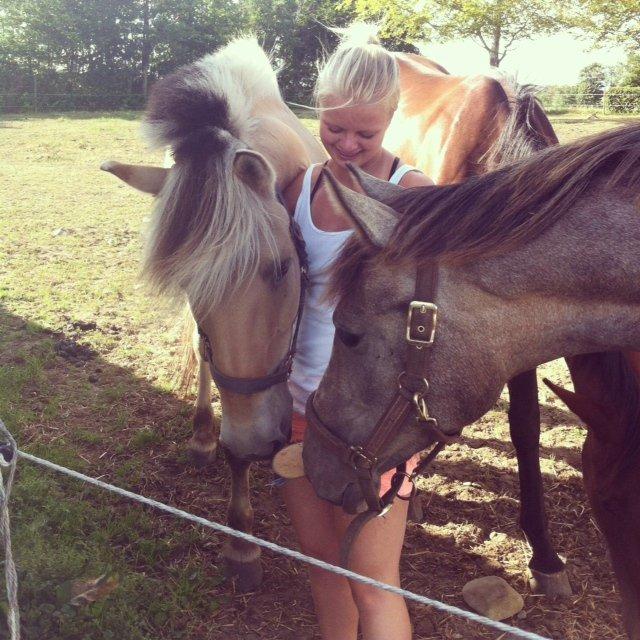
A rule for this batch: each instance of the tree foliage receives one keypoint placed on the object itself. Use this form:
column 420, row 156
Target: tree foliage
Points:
column 104, row 48
column 296, row 34
column 610, row 21
column 495, row 24
column 630, row 73
column 98, row 46
column 592, row 83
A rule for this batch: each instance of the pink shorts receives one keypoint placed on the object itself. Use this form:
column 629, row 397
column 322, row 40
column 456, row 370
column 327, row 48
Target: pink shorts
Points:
column 299, row 426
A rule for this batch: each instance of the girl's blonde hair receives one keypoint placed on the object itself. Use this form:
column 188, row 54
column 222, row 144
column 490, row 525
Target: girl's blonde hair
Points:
column 359, row 71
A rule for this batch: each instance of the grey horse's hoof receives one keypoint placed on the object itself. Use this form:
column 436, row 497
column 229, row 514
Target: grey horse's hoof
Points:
column 553, row 585
column 202, row 455
column 247, row 575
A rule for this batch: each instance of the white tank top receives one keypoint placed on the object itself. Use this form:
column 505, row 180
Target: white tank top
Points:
column 315, row 336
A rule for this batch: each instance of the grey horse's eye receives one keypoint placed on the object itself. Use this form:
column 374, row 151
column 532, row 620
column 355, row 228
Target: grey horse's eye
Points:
column 348, row 338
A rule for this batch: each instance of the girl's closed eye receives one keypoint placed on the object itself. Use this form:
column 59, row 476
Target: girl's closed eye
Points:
column 334, row 129
column 366, row 135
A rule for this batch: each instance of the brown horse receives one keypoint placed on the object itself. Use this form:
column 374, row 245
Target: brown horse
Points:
column 455, row 127
column 541, row 259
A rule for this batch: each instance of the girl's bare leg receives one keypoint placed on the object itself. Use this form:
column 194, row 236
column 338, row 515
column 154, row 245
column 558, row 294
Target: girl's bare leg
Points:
column 313, row 520
column 376, row 554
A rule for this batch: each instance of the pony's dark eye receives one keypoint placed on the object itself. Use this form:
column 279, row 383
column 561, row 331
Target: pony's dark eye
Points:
column 281, row 271
column 347, row 338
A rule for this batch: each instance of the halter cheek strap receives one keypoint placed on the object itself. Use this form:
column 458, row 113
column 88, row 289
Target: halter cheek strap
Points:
column 248, row 386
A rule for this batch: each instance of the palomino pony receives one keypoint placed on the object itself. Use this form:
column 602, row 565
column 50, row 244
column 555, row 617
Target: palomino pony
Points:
column 221, row 238
column 534, row 261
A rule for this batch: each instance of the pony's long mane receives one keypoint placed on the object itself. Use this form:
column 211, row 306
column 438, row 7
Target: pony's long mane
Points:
column 500, row 211
column 208, row 225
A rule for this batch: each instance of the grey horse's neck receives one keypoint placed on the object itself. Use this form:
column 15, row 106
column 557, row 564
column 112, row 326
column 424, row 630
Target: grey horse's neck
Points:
column 573, row 290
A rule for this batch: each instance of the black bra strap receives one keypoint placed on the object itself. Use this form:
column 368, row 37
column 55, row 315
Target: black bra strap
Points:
column 316, row 186
column 394, row 166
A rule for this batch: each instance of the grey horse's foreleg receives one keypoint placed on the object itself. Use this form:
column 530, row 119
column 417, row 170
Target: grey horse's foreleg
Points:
column 242, row 559
column 548, row 574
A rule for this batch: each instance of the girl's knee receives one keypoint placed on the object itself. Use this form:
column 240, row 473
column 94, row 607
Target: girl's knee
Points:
column 370, row 598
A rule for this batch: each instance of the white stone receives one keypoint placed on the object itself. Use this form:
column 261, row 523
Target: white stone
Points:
column 493, row 597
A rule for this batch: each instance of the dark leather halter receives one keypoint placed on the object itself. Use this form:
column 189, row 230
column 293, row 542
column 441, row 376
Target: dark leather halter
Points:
column 408, row 401
column 248, row 386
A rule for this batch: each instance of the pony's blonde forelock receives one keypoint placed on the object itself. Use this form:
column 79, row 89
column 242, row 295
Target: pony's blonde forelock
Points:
column 209, row 229
column 229, row 243
column 359, row 71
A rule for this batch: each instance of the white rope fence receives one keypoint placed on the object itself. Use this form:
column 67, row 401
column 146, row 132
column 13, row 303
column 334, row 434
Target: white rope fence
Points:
column 436, row 604
column 8, row 460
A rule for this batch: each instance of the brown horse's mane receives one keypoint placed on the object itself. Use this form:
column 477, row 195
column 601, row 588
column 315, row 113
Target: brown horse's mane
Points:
column 621, row 389
column 500, row 211
column 526, row 130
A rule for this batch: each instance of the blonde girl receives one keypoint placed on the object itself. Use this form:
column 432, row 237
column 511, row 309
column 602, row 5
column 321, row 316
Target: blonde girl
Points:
column 357, row 92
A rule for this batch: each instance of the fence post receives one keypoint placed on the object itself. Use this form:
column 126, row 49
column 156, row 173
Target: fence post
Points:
column 604, row 103
column 35, row 93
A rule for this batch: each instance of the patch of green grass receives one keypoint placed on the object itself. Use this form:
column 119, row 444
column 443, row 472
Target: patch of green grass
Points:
column 63, row 531
column 87, row 437
column 146, row 438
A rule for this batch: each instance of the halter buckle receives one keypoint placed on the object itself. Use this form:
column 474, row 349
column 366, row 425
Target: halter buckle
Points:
column 421, row 332
column 360, row 459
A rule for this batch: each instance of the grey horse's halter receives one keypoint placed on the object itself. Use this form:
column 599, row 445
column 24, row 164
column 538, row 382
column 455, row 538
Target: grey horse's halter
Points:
column 409, row 400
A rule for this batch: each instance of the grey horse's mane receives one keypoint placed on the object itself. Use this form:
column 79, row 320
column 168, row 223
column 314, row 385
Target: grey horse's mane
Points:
column 208, row 226
column 496, row 212
column 500, row 211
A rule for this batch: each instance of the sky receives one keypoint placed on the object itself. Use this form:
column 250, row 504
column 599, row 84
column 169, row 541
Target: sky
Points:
column 555, row 59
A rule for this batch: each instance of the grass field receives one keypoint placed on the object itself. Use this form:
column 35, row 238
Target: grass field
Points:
column 86, row 365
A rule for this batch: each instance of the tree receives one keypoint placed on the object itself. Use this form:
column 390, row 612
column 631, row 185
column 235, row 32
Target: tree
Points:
column 296, row 34
column 106, row 48
column 495, row 24
column 592, row 83
column 610, row 21
column 630, row 76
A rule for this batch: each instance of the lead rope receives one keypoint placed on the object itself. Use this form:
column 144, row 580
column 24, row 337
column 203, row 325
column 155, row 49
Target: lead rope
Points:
column 8, row 460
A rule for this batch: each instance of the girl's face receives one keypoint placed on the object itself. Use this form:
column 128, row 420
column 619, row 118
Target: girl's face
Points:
column 354, row 133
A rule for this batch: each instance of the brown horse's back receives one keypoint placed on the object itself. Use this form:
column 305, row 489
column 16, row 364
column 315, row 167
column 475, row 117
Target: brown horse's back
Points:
column 445, row 124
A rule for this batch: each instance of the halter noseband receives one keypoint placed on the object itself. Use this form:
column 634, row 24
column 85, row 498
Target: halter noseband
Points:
column 409, row 400
column 248, row 386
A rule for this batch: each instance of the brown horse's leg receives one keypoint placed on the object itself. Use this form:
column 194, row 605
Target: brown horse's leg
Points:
column 241, row 559
column 204, row 441
column 548, row 574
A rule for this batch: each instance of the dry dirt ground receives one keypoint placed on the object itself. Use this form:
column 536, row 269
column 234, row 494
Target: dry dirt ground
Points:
column 103, row 392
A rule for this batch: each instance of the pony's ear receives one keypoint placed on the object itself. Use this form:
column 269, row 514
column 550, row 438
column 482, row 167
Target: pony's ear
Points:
column 379, row 190
column 590, row 411
column 253, row 169
column 375, row 220
column 141, row 177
